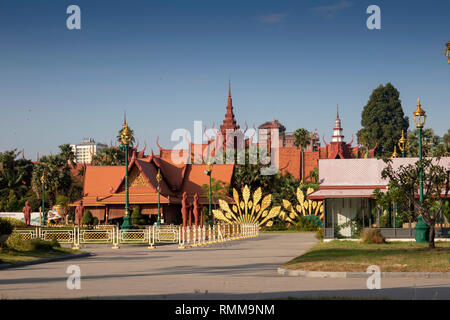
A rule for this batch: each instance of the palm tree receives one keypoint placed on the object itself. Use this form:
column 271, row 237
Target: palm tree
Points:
column 67, row 154
column 302, row 139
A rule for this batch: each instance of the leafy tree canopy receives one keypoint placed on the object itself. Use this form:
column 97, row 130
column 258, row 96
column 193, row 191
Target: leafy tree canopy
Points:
column 382, row 120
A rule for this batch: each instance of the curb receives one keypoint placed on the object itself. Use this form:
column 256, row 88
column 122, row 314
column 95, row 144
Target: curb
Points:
column 44, row 260
column 353, row 275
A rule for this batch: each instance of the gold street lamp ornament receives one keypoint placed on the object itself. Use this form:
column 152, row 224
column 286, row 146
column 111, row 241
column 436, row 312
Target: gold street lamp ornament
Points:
column 447, row 51
column 158, row 177
column 419, row 115
column 126, row 135
column 395, row 154
column 402, row 143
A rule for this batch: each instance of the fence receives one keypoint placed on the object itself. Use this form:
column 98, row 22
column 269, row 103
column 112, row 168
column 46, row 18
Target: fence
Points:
column 203, row 235
column 397, row 233
column 185, row 237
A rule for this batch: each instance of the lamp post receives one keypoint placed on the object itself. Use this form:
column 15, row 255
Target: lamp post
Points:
column 402, row 144
column 158, row 179
column 419, row 117
column 208, row 172
column 44, row 218
column 126, row 137
column 447, row 51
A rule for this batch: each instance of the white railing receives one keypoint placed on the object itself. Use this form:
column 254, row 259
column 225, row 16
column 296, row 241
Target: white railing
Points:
column 191, row 236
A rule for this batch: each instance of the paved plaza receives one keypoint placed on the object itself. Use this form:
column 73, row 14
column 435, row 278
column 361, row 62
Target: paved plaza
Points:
column 242, row 269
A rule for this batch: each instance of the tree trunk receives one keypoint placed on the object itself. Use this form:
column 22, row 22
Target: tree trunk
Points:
column 431, row 240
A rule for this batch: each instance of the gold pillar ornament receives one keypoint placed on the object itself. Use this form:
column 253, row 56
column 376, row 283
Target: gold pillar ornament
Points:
column 447, row 51
column 394, row 154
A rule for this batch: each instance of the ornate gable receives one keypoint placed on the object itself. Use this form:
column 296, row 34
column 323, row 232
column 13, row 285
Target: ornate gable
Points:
column 137, row 179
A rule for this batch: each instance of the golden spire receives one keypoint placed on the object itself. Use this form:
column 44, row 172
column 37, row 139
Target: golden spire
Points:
column 447, row 51
column 395, row 154
column 402, row 143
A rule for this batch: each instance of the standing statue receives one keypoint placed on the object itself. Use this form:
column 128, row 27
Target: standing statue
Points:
column 196, row 210
column 27, row 213
column 79, row 213
column 184, row 208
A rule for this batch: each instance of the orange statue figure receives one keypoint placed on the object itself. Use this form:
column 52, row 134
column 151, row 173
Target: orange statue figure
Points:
column 79, row 213
column 196, row 210
column 184, row 208
column 27, row 213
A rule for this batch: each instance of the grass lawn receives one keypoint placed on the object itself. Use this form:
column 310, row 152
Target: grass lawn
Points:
column 9, row 256
column 390, row 257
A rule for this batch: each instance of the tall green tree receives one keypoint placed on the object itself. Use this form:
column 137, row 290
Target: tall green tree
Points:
column 15, row 178
column 383, row 120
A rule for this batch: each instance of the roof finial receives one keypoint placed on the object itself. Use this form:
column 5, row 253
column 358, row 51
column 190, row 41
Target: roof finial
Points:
column 337, row 111
column 229, row 88
column 124, row 117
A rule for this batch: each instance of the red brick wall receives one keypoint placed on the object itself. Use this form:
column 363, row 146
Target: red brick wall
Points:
column 290, row 161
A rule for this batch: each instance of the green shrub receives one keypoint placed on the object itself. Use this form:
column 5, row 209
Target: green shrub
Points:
column 16, row 243
column 306, row 223
column 136, row 217
column 6, row 227
column 87, row 219
column 372, row 235
column 15, row 222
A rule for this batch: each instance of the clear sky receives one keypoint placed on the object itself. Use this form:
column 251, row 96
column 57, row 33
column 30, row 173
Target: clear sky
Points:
column 168, row 63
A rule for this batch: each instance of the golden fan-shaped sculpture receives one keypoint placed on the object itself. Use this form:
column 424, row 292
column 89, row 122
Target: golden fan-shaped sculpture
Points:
column 248, row 210
column 304, row 207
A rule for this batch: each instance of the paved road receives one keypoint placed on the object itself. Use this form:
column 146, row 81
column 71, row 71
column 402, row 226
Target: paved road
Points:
column 243, row 269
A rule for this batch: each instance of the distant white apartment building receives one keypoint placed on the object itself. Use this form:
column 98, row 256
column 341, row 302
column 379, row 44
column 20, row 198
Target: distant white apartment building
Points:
column 86, row 150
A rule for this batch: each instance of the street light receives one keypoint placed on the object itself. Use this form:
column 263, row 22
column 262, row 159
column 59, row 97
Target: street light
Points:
column 159, row 178
column 447, row 51
column 126, row 137
column 419, row 117
column 44, row 218
column 208, row 172
column 402, row 144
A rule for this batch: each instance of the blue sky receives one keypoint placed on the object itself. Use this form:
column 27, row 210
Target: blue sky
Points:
column 168, row 63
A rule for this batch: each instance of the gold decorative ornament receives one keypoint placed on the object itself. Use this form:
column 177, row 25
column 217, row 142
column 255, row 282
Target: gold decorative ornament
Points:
column 394, row 154
column 248, row 210
column 305, row 207
column 158, row 176
column 447, row 51
column 126, row 135
column 419, row 115
column 402, row 143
